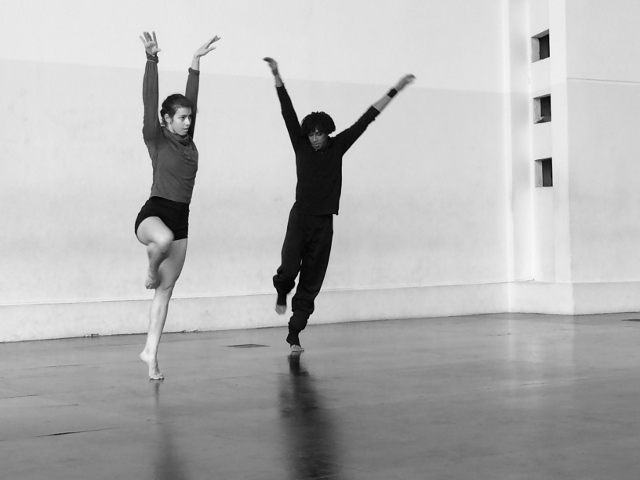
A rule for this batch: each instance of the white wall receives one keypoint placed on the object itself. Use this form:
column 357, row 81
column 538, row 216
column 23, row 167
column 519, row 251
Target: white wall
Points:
column 604, row 94
column 518, row 142
column 423, row 206
column 588, row 247
column 447, row 44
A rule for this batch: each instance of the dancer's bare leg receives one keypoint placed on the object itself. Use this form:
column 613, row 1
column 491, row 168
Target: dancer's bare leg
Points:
column 169, row 270
column 153, row 233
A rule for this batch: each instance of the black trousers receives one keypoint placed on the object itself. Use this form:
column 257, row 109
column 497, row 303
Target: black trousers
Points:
column 306, row 250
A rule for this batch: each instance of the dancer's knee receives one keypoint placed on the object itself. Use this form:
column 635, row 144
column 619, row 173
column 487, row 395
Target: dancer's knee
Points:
column 163, row 241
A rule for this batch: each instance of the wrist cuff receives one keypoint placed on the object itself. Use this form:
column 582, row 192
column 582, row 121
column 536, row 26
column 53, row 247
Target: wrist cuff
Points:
column 194, row 72
column 153, row 58
column 392, row 93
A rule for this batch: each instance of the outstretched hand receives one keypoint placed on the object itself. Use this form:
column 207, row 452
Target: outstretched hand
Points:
column 404, row 81
column 150, row 43
column 273, row 65
column 206, row 48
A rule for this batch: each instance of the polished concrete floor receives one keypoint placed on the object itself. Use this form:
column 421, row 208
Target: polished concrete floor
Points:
column 497, row 397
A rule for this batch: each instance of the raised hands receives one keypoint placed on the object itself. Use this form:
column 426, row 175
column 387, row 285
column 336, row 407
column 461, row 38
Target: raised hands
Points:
column 206, row 48
column 150, row 43
column 273, row 65
column 404, row 81
column 384, row 101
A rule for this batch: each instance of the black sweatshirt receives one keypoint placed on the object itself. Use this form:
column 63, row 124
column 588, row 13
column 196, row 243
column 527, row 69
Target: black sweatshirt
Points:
column 320, row 172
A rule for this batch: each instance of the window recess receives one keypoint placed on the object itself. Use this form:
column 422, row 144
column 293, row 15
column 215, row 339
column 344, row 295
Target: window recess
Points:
column 540, row 46
column 544, row 172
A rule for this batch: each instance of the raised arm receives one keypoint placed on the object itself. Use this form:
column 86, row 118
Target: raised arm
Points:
column 288, row 112
column 384, row 101
column 151, row 124
column 273, row 65
column 207, row 47
column 193, row 81
column 346, row 138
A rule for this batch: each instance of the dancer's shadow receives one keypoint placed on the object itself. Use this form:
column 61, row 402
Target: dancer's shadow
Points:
column 168, row 464
column 310, row 434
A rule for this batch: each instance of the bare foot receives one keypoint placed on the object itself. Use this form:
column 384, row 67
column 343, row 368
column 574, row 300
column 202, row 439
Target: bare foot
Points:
column 152, row 362
column 153, row 280
column 296, row 349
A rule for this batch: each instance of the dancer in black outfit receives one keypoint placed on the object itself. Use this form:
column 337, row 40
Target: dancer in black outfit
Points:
column 307, row 243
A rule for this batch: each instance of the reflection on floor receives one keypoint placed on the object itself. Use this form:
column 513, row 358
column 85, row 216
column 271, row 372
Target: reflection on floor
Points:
column 494, row 397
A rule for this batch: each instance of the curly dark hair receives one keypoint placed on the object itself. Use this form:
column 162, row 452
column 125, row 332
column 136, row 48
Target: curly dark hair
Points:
column 317, row 121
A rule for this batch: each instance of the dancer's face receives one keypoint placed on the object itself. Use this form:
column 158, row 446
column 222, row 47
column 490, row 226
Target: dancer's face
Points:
column 318, row 140
column 180, row 122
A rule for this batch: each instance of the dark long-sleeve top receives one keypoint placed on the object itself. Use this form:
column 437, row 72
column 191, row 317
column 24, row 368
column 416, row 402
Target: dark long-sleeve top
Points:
column 174, row 158
column 319, row 172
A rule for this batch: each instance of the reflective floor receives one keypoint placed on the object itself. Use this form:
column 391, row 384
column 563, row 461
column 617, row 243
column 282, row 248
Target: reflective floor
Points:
column 498, row 397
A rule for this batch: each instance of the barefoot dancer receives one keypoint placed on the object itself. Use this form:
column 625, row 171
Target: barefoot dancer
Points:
column 307, row 243
column 162, row 224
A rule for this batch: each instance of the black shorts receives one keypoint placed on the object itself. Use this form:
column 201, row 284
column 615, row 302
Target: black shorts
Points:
column 175, row 215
